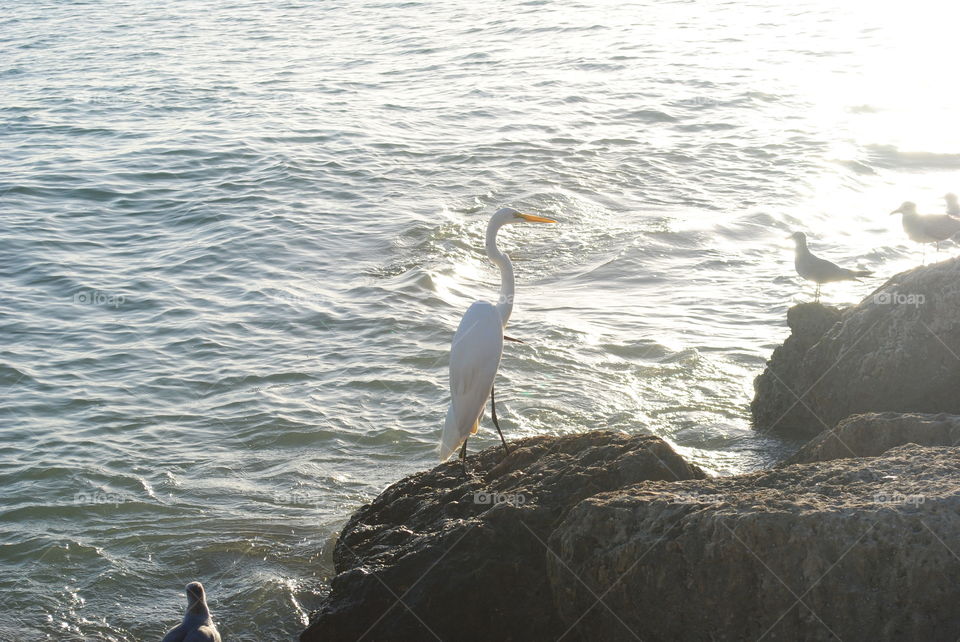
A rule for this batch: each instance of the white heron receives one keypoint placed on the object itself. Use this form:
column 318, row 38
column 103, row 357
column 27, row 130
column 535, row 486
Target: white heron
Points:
column 477, row 347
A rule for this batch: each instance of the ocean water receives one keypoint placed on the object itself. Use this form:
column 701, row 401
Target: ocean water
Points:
column 236, row 238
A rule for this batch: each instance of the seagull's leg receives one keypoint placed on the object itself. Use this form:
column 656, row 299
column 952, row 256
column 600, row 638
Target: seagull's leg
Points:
column 493, row 414
column 463, row 456
column 816, row 297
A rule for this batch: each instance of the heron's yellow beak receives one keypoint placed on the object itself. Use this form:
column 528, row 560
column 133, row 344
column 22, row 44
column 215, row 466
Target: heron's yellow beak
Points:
column 536, row 219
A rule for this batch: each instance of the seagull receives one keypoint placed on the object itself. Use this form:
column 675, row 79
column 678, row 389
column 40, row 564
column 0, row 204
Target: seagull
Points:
column 953, row 207
column 928, row 228
column 197, row 625
column 820, row 270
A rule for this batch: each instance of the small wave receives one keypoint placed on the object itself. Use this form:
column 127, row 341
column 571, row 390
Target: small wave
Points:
column 891, row 157
column 647, row 116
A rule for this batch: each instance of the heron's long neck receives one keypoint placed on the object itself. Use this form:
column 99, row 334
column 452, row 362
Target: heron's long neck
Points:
column 501, row 260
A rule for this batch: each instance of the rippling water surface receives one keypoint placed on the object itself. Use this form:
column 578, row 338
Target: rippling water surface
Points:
column 237, row 237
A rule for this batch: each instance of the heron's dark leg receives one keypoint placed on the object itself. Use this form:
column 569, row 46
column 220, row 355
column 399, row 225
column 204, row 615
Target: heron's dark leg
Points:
column 463, row 456
column 493, row 414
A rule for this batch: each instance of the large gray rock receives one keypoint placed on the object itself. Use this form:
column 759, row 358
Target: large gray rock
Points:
column 898, row 350
column 442, row 555
column 873, row 434
column 775, row 405
column 855, row 549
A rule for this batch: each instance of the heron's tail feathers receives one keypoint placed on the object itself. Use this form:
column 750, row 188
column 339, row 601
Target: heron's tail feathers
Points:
column 450, row 440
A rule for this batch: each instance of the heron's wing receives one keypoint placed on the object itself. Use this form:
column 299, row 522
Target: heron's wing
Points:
column 474, row 359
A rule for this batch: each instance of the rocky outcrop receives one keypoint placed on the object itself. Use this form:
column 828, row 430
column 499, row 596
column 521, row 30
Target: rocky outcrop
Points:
column 898, row 350
column 775, row 405
column 873, row 434
column 441, row 555
column 852, row 549
column 606, row 536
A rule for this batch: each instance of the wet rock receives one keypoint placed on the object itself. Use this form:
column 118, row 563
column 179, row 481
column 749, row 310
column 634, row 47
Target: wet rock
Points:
column 852, row 549
column 775, row 403
column 898, row 350
column 438, row 555
column 872, row 434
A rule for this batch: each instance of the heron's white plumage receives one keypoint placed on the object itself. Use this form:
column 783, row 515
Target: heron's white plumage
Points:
column 478, row 344
column 474, row 359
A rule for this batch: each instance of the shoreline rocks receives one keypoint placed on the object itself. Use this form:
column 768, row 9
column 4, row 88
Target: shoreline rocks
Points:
column 608, row 536
column 872, row 434
column 855, row 549
column 442, row 555
column 898, row 351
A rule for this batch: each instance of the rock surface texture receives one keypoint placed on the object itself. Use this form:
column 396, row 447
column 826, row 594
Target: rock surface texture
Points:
column 898, row 350
column 872, row 434
column 440, row 555
column 851, row 549
column 775, row 406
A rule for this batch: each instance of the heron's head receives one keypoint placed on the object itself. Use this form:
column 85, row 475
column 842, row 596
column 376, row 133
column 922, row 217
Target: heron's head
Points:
column 508, row 216
column 908, row 207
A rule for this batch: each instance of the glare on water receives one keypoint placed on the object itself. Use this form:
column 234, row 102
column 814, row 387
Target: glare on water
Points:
column 238, row 238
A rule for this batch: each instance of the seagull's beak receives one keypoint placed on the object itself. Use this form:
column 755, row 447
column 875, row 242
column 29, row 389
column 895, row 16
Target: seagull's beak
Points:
column 536, row 219
column 896, row 211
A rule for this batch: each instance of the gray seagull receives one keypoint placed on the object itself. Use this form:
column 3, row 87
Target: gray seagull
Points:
column 927, row 228
column 953, row 207
column 197, row 625
column 820, row 270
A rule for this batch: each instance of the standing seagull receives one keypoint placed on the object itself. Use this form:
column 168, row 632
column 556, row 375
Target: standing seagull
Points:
column 477, row 346
column 953, row 207
column 928, row 228
column 197, row 625
column 820, row 270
